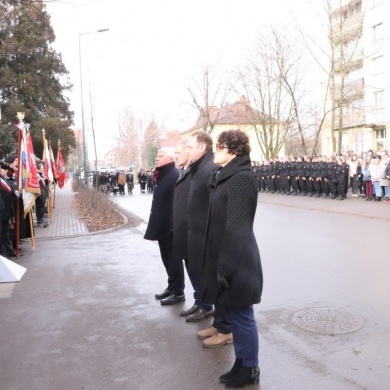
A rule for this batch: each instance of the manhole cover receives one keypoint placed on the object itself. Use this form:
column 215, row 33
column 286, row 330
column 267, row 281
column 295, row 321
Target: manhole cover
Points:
column 327, row 321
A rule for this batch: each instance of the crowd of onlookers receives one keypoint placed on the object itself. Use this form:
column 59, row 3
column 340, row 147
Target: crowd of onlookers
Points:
column 366, row 175
column 119, row 181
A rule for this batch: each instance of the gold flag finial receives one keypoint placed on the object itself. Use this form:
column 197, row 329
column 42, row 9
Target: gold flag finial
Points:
column 20, row 116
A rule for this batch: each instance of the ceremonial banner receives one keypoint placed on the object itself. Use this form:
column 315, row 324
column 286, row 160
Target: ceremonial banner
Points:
column 62, row 175
column 47, row 160
column 28, row 183
column 52, row 161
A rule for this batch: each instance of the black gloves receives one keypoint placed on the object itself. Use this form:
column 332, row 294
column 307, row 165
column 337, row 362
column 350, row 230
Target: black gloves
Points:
column 222, row 281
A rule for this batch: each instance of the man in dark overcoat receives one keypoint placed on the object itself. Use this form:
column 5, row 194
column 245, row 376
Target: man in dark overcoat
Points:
column 191, row 210
column 180, row 202
column 200, row 153
column 160, row 225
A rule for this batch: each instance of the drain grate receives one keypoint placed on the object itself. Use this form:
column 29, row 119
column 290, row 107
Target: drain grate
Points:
column 327, row 321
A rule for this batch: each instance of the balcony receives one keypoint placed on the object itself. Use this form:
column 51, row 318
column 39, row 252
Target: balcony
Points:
column 353, row 90
column 352, row 119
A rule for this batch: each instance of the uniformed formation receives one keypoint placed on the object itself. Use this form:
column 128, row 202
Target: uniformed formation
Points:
column 367, row 175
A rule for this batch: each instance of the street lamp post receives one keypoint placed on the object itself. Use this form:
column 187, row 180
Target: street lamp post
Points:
column 82, row 102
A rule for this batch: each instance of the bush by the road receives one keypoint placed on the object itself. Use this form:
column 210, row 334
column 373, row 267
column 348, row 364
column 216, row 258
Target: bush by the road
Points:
column 95, row 209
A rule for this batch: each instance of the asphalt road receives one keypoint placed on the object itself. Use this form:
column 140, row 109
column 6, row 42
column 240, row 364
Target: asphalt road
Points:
column 84, row 315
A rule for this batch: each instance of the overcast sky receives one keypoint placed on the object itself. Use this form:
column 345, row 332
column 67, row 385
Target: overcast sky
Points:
column 151, row 50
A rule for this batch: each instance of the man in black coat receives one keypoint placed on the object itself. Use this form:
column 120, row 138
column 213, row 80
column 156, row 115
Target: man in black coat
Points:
column 199, row 149
column 160, row 225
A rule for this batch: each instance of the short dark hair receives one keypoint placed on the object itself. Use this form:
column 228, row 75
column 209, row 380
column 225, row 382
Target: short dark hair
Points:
column 236, row 141
column 203, row 138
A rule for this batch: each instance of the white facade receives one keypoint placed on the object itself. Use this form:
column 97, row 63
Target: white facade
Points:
column 366, row 105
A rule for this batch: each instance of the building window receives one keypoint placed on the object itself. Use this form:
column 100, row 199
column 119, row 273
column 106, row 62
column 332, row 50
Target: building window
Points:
column 375, row 3
column 381, row 134
column 358, row 7
column 344, row 142
column 379, row 98
column 359, row 142
column 377, row 65
column 377, row 31
column 354, row 106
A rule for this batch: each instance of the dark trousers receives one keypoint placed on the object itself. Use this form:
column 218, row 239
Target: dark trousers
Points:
column 221, row 322
column 325, row 187
column 40, row 208
column 353, row 181
column 174, row 268
column 294, row 184
column 309, row 186
column 245, row 336
column 195, row 277
column 317, row 185
column 302, row 185
column 5, row 240
column 332, row 187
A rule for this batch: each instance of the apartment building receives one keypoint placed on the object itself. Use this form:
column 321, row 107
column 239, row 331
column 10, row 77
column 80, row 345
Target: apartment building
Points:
column 361, row 31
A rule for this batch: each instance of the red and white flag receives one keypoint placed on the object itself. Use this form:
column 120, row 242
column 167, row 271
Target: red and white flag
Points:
column 53, row 162
column 47, row 161
column 62, row 175
column 28, row 182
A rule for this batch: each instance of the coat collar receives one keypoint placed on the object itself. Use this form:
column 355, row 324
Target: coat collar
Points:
column 161, row 171
column 238, row 164
column 201, row 161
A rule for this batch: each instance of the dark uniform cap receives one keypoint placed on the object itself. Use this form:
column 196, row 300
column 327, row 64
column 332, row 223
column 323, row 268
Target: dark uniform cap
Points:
column 10, row 159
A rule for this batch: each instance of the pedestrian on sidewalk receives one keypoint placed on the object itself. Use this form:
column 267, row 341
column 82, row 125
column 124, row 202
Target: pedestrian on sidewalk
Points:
column 130, row 181
column 142, row 179
column 121, row 182
column 160, row 225
column 232, row 273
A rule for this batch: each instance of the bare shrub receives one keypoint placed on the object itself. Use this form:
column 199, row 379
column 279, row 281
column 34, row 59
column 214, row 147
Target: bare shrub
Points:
column 95, row 209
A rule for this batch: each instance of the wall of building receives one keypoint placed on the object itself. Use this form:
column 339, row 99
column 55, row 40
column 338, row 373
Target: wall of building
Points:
column 370, row 129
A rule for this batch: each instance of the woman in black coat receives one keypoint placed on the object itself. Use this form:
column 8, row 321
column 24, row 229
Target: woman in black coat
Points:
column 232, row 273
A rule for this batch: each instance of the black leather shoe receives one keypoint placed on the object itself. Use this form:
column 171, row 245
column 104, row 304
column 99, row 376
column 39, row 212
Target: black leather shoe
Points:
column 191, row 310
column 199, row 315
column 172, row 299
column 166, row 293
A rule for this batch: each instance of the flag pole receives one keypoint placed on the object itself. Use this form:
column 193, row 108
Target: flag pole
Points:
column 54, row 182
column 30, row 219
column 20, row 117
column 49, row 197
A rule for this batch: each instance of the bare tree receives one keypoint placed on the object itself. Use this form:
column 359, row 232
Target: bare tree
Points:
column 270, row 79
column 137, row 140
column 207, row 96
column 341, row 57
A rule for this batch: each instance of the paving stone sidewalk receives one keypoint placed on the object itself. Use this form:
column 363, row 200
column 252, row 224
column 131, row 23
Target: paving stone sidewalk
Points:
column 64, row 222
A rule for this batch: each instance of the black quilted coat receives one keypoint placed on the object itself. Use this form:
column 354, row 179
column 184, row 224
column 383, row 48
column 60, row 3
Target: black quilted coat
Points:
column 231, row 249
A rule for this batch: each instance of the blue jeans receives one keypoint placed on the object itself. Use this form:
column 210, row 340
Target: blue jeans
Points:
column 377, row 188
column 245, row 336
column 221, row 322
